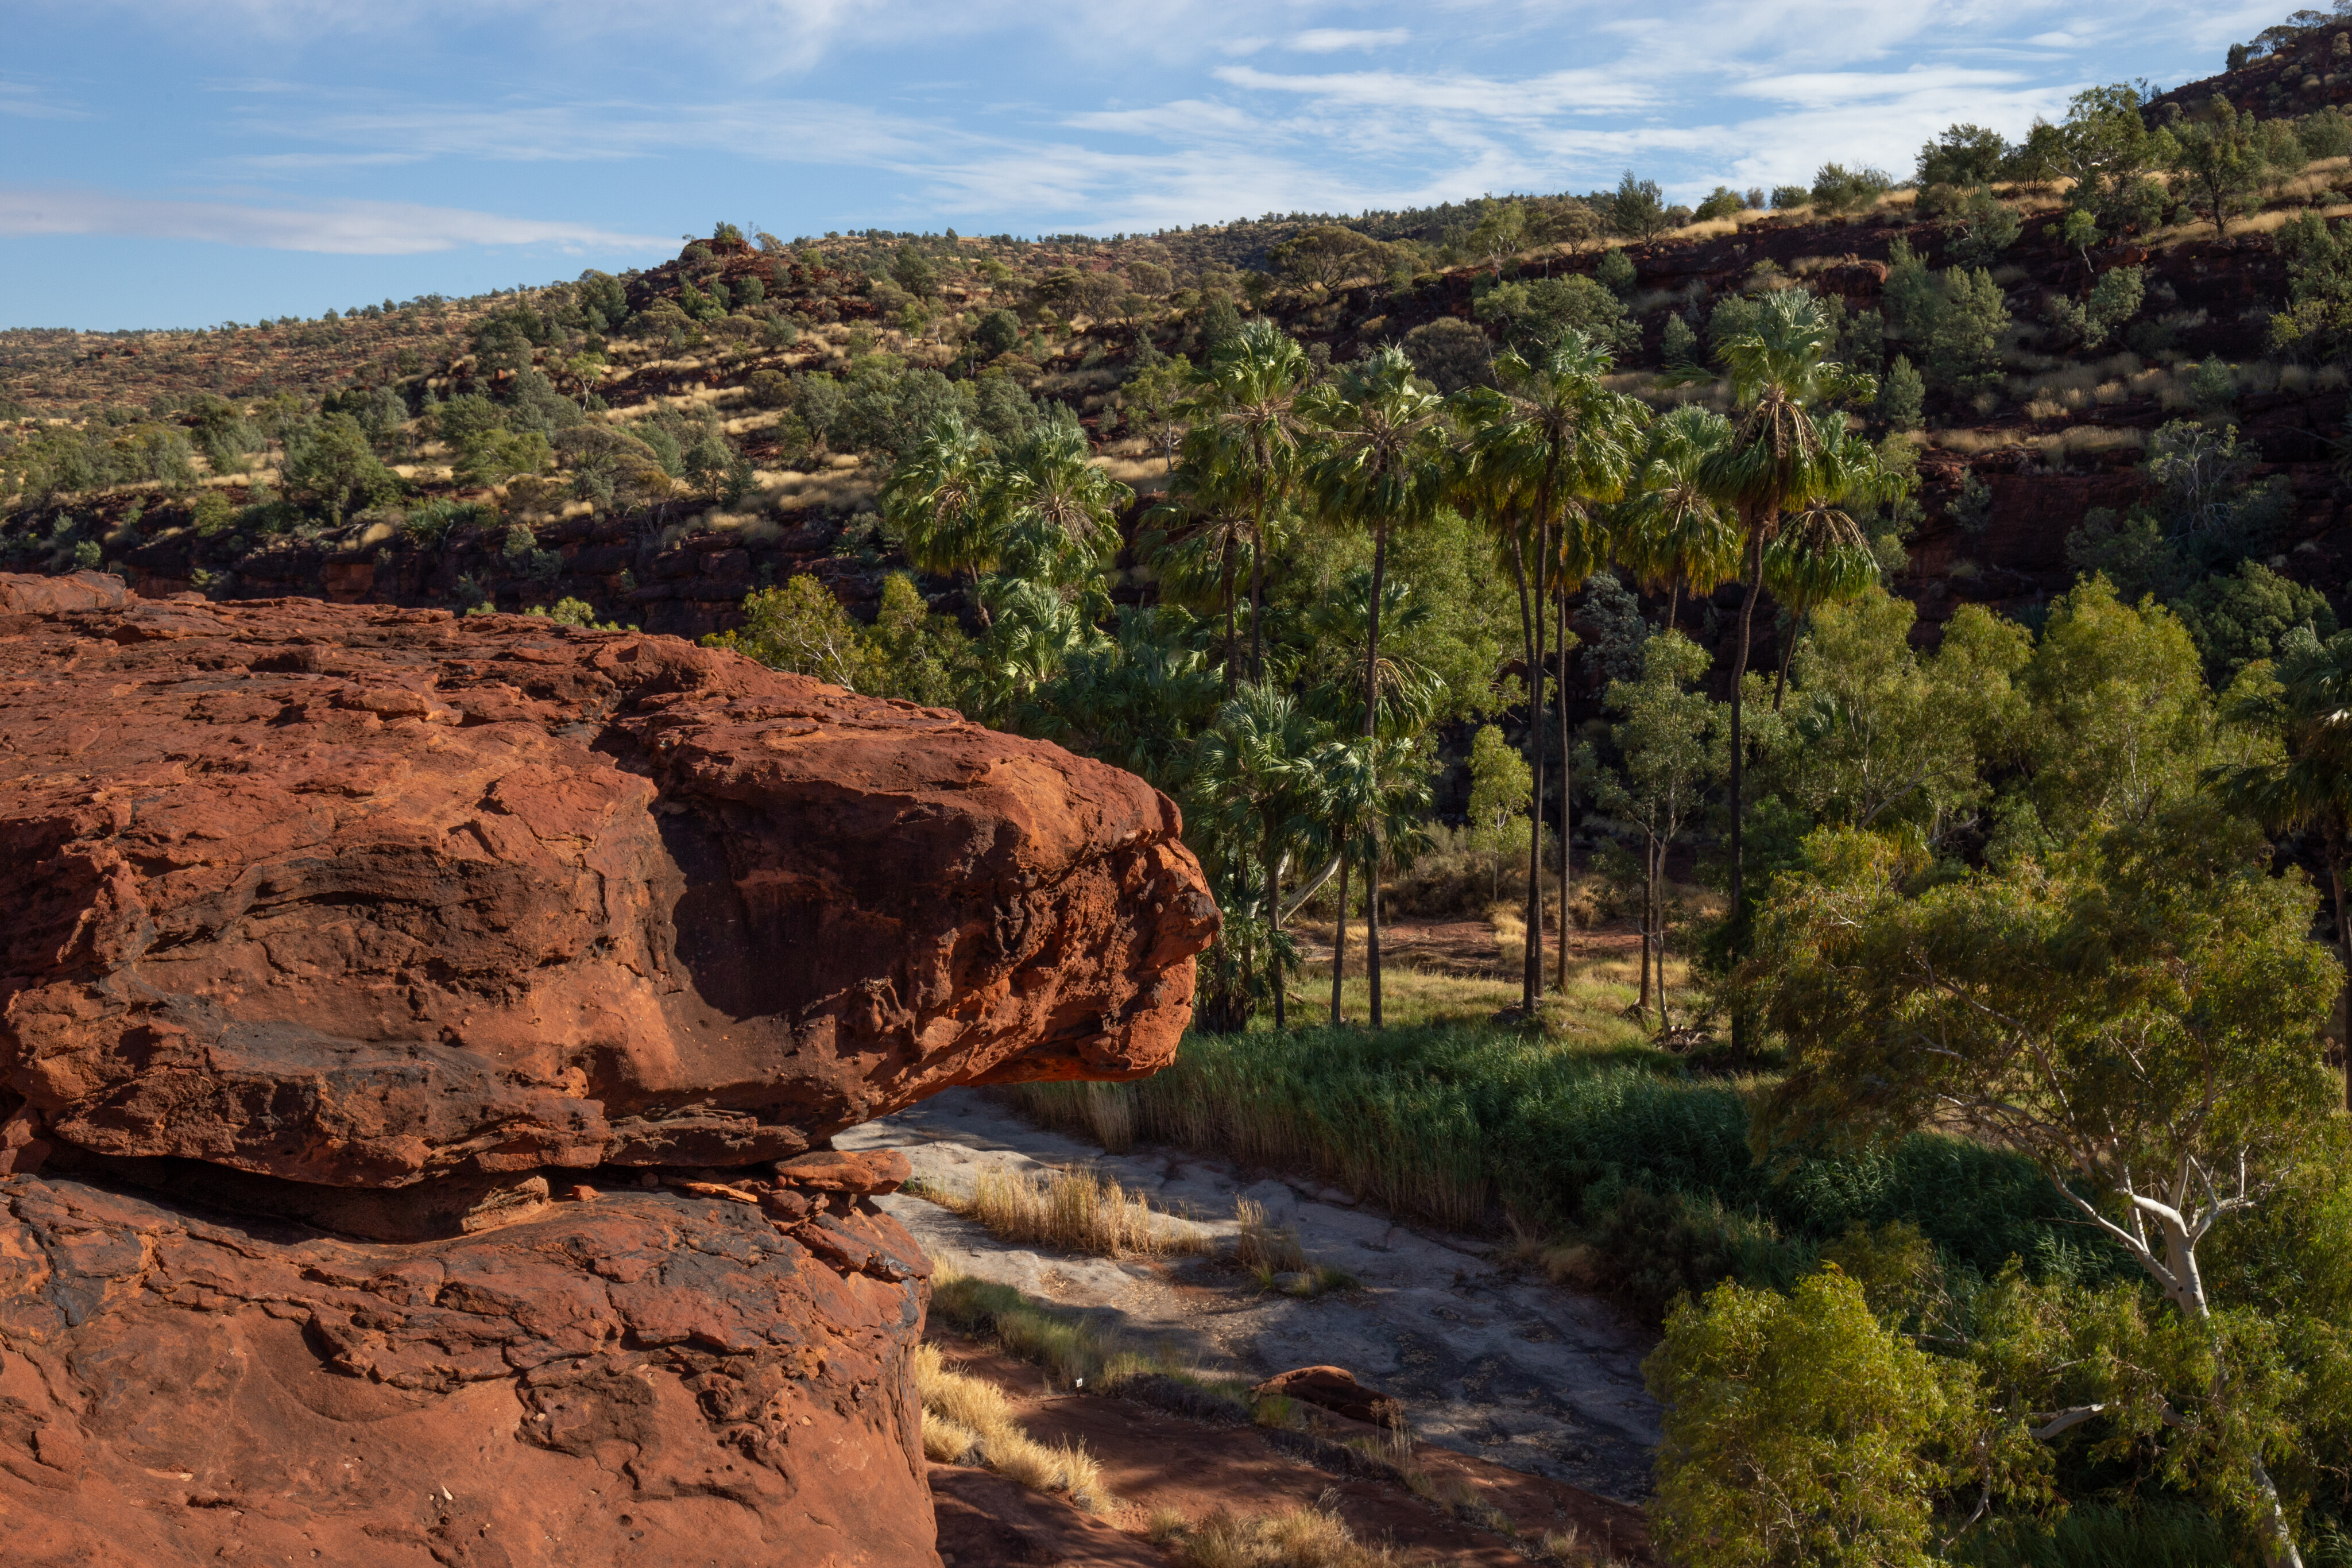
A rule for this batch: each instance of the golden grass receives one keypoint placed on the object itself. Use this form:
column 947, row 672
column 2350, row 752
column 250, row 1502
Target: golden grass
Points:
column 1301, row 1538
column 968, row 1418
column 1075, row 1210
column 1589, row 1013
column 1264, row 1245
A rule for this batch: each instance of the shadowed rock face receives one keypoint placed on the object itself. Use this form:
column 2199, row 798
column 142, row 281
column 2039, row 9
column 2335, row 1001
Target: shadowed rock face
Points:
column 422, row 1042
column 357, row 896
column 647, row 1379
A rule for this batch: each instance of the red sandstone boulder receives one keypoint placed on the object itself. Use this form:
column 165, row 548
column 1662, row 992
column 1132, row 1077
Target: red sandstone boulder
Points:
column 47, row 595
column 361, row 895
column 1334, row 1388
column 651, row 1378
column 337, row 933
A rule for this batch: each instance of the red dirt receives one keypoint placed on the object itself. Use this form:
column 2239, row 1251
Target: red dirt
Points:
column 1153, row 1461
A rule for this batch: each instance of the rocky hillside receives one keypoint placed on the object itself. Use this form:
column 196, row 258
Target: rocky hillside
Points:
column 721, row 423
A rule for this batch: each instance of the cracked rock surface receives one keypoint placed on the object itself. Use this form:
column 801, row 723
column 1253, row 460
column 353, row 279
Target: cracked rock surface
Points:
column 648, row 1378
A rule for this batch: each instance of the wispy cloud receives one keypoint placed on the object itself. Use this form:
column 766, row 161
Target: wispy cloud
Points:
column 1331, row 40
column 343, row 228
column 27, row 100
column 1485, row 97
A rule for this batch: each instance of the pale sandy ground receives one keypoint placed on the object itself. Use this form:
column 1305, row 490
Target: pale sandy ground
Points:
column 1487, row 1361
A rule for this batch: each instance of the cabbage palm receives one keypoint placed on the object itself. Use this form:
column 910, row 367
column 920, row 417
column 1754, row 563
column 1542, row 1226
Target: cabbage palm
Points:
column 1055, row 511
column 1248, row 431
column 1034, row 630
column 1202, row 535
column 1371, row 796
column 1381, row 464
column 938, row 500
column 1673, row 535
column 1781, row 460
column 1820, row 556
column 1409, row 692
column 2308, row 784
column 1549, row 446
column 1254, row 760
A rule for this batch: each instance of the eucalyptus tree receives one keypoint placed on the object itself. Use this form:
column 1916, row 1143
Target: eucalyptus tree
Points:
column 1670, row 534
column 2136, row 1013
column 2307, row 783
column 1249, row 429
column 1779, row 461
column 1549, row 445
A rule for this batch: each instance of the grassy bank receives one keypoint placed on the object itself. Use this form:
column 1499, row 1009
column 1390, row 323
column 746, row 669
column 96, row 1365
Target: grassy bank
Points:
column 1464, row 1125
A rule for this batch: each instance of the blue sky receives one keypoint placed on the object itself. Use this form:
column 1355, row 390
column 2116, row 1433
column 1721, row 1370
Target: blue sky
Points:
column 172, row 163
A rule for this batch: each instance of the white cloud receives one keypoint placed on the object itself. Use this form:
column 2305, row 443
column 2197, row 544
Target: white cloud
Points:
column 1331, row 40
column 2057, row 40
column 1485, row 98
column 24, row 101
column 343, row 228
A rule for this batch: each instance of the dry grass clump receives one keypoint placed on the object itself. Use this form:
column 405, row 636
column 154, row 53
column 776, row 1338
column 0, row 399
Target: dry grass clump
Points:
column 1274, row 1254
column 1071, row 1349
column 1264, row 1245
column 968, row 1419
column 1075, row 1210
column 1302, row 1538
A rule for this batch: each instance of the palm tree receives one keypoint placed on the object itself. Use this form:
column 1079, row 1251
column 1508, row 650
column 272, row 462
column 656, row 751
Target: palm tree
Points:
column 1408, row 691
column 1248, row 429
column 1371, row 797
column 1200, row 537
column 1548, row 445
column 1382, row 464
column 1054, row 513
column 938, row 500
column 1034, row 630
column 2309, row 783
column 1346, row 784
column 1672, row 535
column 1779, row 461
column 1254, row 757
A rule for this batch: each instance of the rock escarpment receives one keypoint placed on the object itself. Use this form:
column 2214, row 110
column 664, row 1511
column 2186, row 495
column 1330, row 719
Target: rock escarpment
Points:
column 353, row 949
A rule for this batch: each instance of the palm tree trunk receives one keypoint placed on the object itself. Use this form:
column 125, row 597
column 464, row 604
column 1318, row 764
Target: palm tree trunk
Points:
column 1340, row 936
column 1749, row 589
column 1566, row 782
column 1273, row 921
column 1258, row 596
column 1674, row 603
column 1531, row 980
column 1371, row 734
column 1226, row 579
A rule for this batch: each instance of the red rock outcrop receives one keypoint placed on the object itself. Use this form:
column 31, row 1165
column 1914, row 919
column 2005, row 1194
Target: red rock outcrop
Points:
column 359, row 896
column 651, row 1378
column 422, row 1038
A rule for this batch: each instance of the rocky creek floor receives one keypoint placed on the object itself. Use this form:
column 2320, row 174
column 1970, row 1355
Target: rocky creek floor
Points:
column 1488, row 1362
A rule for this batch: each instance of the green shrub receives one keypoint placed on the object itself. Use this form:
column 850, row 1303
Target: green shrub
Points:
column 1449, row 1123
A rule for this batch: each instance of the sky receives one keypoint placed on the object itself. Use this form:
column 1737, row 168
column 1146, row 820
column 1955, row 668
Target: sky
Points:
column 171, row 164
